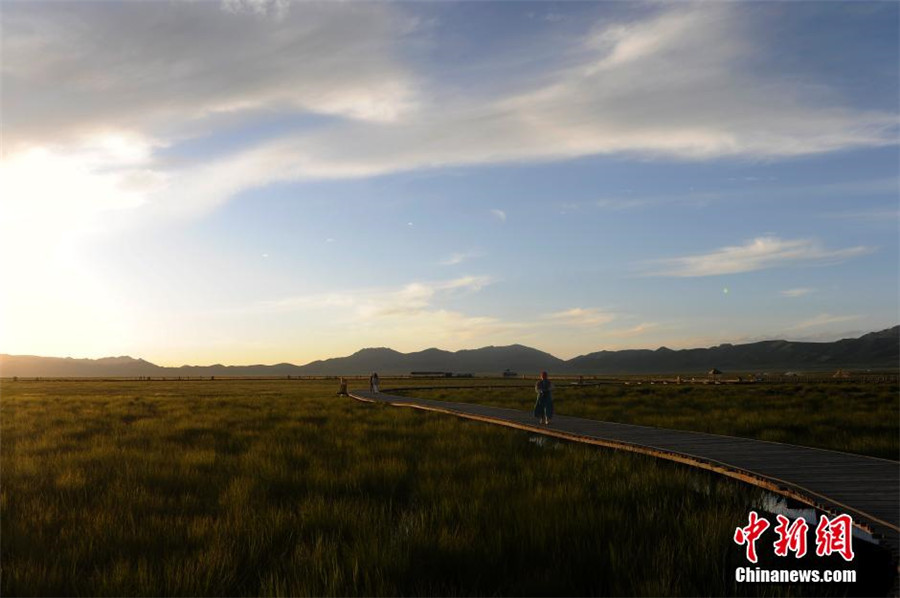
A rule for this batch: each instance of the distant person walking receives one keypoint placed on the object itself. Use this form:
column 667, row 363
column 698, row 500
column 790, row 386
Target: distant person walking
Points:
column 373, row 382
column 543, row 407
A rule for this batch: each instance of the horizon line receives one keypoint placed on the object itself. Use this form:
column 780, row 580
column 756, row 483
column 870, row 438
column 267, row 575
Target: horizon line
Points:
column 288, row 363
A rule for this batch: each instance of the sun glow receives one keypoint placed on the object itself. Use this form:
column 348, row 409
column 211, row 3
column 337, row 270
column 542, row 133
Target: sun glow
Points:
column 53, row 201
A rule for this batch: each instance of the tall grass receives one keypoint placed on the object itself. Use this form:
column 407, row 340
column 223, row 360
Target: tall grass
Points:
column 856, row 418
column 281, row 488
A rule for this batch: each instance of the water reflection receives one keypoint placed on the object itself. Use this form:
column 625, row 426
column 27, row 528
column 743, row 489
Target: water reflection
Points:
column 544, row 442
column 780, row 505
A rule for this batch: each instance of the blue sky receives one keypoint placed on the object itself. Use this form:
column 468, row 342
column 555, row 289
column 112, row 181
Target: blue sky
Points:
column 263, row 181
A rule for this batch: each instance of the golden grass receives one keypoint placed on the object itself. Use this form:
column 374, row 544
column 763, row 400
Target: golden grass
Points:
column 282, row 488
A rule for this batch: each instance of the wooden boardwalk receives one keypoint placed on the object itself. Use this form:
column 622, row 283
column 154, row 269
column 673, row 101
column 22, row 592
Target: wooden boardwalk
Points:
column 867, row 488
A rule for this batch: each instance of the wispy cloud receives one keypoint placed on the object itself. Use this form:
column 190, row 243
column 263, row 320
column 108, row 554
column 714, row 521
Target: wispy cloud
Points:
column 823, row 320
column 263, row 8
column 633, row 331
column 578, row 316
column 420, row 310
column 373, row 303
column 756, row 254
column 624, row 203
column 415, row 297
column 322, row 59
column 787, row 192
column 886, row 215
column 499, row 215
column 549, row 17
column 412, row 314
column 644, row 86
column 102, row 121
column 798, row 292
column 457, row 258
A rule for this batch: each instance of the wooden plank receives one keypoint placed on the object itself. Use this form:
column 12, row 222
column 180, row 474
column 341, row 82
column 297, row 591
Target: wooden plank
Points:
column 866, row 487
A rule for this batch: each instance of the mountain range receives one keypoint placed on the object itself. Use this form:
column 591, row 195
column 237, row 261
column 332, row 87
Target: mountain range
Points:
column 876, row 350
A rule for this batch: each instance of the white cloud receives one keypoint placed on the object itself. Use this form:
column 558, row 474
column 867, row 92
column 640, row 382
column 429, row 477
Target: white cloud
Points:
column 77, row 70
column 457, row 258
column 798, row 292
column 654, row 87
column 94, row 95
column 578, row 316
column 823, row 320
column 623, row 44
column 688, row 104
column 454, row 259
column 412, row 315
column 499, row 214
column 637, row 330
column 374, row 303
column 785, row 192
column 648, row 87
column 264, row 8
column 448, row 328
column 624, row 203
column 756, row 254
column 415, row 297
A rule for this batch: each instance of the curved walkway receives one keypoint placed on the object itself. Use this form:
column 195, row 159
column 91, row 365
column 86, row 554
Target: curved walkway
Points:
column 865, row 487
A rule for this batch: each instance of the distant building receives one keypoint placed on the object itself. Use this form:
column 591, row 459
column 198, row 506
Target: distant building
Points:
column 440, row 375
column 507, row 373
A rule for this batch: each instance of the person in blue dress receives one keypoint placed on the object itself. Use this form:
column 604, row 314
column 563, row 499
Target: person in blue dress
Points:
column 543, row 407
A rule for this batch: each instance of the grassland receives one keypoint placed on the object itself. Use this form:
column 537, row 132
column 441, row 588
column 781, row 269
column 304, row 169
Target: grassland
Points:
column 856, row 418
column 281, row 488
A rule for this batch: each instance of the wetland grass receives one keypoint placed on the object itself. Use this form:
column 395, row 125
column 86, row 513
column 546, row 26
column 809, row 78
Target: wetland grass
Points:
column 281, row 488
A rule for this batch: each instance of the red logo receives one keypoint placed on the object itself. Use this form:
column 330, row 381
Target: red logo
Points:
column 832, row 536
column 750, row 534
column 835, row 536
column 791, row 539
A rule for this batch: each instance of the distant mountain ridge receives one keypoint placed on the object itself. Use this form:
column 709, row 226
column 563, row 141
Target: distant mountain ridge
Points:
column 483, row 360
column 876, row 350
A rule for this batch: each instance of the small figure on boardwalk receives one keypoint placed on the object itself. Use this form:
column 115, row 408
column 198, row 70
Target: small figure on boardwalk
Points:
column 342, row 391
column 543, row 407
column 373, row 382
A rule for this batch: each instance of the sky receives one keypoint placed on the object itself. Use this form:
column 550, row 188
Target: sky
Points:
column 264, row 181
